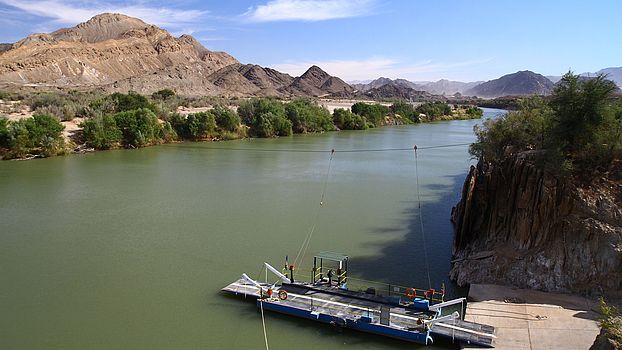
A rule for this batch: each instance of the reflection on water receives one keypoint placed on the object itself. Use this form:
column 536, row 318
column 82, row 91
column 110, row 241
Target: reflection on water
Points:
column 128, row 249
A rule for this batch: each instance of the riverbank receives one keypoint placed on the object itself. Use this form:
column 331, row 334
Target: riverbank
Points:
column 528, row 319
column 133, row 121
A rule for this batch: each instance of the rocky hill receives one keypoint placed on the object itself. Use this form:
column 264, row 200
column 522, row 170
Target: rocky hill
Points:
column 522, row 83
column 440, row 87
column 316, row 82
column 519, row 225
column 396, row 90
column 448, row 87
column 613, row 73
column 115, row 52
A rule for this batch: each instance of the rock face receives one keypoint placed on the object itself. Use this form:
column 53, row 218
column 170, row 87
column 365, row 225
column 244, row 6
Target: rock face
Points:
column 396, row 90
column 316, row 82
column 115, row 52
column 522, row 83
column 111, row 50
column 517, row 225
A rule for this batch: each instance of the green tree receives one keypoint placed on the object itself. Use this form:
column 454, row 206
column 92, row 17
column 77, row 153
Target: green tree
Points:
column 4, row 132
column 373, row 113
column 226, row 119
column 406, row 110
column 346, row 120
column 41, row 134
column 163, row 94
column 101, row 132
column 308, row 116
column 525, row 129
column 138, row 127
column 261, row 115
column 194, row 126
column 579, row 106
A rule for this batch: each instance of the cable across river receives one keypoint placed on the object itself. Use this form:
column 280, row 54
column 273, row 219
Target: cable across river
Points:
column 363, row 150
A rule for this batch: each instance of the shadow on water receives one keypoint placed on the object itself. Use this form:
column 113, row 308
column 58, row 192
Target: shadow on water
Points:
column 403, row 261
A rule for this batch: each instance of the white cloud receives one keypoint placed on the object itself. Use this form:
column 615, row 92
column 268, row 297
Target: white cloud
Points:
column 373, row 68
column 72, row 12
column 308, row 10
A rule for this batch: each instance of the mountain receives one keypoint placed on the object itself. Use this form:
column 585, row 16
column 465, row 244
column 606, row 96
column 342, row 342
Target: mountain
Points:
column 448, row 87
column 115, row 52
column 613, row 73
column 521, row 83
column 377, row 83
column 397, row 90
column 316, row 82
column 441, row 87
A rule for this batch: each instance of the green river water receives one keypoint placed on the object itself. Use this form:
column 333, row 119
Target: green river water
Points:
column 129, row 249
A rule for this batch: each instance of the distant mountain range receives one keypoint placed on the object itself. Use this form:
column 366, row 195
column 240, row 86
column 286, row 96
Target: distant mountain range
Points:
column 120, row 53
column 441, row 87
column 613, row 73
column 115, row 52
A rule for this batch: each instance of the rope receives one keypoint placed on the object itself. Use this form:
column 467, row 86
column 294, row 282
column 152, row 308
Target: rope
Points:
column 365, row 150
column 263, row 323
column 305, row 244
column 425, row 249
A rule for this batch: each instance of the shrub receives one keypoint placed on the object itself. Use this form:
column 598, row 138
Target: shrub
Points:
column 194, row 126
column 307, row 116
column 226, row 119
column 346, row 120
column 434, row 110
column 118, row 102
column 4, row 132
column 41, row 134
column 163, row 94
column 373, row 113
column 262, row 115
column 101, row 132
column 138, row 127
column 406, row 110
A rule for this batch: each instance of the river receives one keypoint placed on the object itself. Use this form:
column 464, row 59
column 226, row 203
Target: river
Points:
column 129, row 249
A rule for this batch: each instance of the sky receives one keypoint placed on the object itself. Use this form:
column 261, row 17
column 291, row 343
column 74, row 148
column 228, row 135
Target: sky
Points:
column 365, row 39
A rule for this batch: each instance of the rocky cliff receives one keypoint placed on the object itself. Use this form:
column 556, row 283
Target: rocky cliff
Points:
column 518, row 225
column 114, row 52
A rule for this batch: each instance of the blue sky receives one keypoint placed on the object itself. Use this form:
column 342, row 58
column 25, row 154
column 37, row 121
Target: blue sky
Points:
column 364, row 39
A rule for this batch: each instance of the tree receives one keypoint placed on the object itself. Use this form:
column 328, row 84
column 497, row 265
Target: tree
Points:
column 579, row 106
column 406, row 110
column 101, row 132
column 262, row 115
column 307, row 116
column 346, row 120
column 373, row 113
column 226, row 119
column 138, row 127
column 4, row 132
column 163, row 94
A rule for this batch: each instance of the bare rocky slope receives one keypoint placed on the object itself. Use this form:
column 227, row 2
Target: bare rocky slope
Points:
column 518, row 225
column 522, row 83
column 115, row 52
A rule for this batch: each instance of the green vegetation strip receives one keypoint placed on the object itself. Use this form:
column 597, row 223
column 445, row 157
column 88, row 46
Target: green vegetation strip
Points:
column 133, row 121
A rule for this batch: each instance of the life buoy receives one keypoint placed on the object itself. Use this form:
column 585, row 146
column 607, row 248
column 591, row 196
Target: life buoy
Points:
column 411, row 293
column 429, row 294
column 282, row 294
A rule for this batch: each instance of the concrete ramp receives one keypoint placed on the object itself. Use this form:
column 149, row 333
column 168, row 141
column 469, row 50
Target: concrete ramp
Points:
column 528, row 319
column 465, row 332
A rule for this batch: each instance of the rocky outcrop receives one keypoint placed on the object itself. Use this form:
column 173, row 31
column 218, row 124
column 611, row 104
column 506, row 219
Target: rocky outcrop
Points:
column 519, row 225
column 114, row 52
column 316, row 82
column 522, row 83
